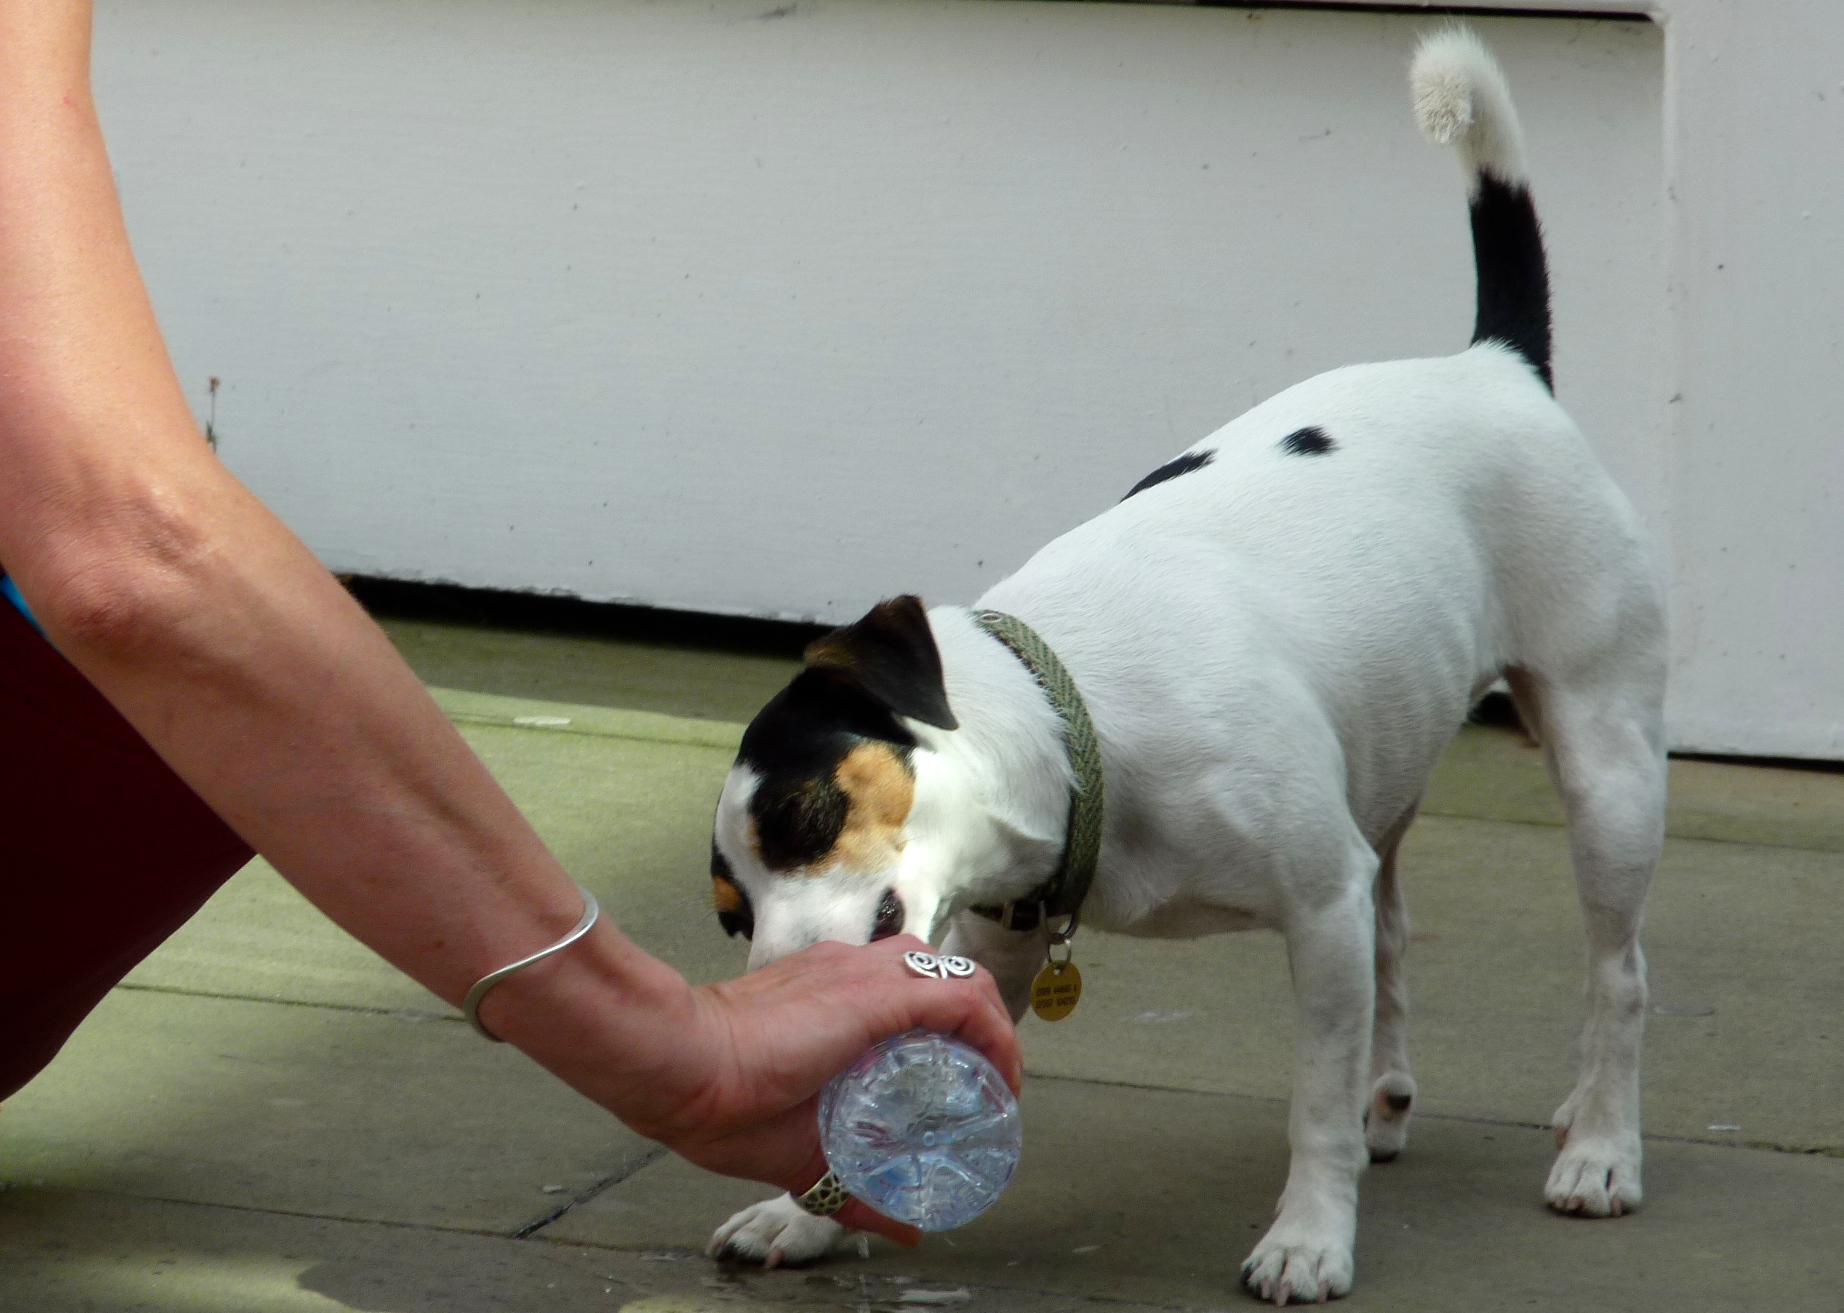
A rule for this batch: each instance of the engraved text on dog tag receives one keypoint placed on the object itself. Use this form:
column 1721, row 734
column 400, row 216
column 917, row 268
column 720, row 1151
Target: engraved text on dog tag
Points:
column 1056, row 991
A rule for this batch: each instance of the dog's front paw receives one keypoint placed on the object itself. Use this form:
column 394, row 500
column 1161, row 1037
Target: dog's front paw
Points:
column 775, row 1233
column 1292, row 1265
column 1595, row 1176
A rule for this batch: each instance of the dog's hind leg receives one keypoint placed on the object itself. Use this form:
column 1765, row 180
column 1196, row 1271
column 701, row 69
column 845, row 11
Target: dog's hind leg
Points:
column 1605, row 749
column 1392, row 1088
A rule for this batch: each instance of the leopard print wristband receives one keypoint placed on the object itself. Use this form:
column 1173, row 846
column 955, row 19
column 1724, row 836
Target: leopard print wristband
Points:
column 826, row 1197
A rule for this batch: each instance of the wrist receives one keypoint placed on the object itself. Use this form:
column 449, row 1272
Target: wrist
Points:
column 470, row 1004
column 608, row 1019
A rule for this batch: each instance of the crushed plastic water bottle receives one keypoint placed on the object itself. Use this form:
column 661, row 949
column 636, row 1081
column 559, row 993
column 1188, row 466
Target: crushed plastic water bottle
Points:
column 923, row 1129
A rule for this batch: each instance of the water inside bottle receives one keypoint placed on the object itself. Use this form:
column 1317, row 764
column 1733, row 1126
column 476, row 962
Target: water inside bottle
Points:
column 922, row 1128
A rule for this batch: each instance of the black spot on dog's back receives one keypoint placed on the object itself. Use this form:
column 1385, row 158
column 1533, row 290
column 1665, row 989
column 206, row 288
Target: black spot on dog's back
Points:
column 1185, row 464
column 1309, row 441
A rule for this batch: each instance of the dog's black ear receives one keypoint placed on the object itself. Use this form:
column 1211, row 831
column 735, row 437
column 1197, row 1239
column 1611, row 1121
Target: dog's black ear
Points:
column 890, row 655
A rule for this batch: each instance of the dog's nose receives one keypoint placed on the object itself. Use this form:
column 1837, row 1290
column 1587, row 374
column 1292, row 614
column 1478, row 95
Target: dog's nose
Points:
column 890, row 917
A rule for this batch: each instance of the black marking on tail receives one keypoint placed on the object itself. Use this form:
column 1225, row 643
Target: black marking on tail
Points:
column 1191, row 460
column 1513, row 276
column 1309, row 441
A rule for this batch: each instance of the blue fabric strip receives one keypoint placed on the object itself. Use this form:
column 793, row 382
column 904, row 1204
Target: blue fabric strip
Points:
column 10, row 591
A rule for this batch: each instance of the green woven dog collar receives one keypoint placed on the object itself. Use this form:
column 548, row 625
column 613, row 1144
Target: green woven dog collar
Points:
column 1068, row 885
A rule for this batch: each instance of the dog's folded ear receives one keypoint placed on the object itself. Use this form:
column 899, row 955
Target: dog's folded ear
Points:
column 891, row 657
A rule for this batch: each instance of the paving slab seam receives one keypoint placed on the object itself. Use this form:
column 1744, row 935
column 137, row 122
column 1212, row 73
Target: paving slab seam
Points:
column 501, row 711
column 1767, row 1146
column 252, row 1209
column 401, row 1014
column 1759, row 1146
column 585, row 1246
column 646, row 1160
column 412, row 1015
column 973, row 1291
column 1677, row 836
column 525, row 1232
column 719, row 733
column 462, row 706
column 589, row 731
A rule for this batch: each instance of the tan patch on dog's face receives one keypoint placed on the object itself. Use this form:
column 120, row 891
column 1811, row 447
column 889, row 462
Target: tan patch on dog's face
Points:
column 725, row 895
column 853, row 815
column 880, row 791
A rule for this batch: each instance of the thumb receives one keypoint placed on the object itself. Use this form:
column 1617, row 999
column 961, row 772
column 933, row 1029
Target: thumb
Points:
column 857, row 1214
column 860, row 1216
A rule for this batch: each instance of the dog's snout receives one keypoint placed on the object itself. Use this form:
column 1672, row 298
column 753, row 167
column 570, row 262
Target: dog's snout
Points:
column 889, row 917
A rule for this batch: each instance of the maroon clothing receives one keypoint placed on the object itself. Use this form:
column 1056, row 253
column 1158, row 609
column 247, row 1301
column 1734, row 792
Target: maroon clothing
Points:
column 104, row 851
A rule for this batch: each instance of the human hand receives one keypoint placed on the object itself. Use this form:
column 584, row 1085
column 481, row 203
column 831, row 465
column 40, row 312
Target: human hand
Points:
column 737, row 1087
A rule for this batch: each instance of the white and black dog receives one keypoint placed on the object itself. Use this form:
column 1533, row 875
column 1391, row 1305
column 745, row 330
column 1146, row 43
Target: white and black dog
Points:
column 1275, row 634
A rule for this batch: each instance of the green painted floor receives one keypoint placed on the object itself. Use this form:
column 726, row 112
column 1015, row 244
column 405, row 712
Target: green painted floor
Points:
column 264, row 1117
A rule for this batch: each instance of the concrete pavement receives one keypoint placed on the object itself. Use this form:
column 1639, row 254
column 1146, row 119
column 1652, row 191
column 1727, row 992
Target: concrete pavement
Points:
column 266, row 1117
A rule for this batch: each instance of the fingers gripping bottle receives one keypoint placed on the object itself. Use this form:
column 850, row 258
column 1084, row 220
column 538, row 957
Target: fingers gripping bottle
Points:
column 922, row 1128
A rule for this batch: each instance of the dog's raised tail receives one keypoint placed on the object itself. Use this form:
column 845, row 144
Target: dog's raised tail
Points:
column 1461, row 100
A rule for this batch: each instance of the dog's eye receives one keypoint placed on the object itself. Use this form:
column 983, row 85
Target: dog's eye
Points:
column 737, row 923
column 889, row 917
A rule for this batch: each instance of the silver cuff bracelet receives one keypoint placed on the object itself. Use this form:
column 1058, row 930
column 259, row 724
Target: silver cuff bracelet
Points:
column 470, row 1007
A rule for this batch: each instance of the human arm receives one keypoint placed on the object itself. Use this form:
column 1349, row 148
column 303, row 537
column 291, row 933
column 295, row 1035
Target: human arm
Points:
column 254, row 675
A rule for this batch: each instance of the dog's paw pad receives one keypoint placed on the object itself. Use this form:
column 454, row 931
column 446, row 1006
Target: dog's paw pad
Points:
column 775, row 1233
column 1386, row 1120
column 1297, row 1270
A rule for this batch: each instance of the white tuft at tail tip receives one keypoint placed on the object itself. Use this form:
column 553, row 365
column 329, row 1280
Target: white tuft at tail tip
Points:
column 1461, row 100
column 1443, row 103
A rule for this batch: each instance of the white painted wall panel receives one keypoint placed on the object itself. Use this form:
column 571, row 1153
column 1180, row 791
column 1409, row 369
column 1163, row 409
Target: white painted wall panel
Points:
column 1757, row 437
column 694, row 305
column 680, row 304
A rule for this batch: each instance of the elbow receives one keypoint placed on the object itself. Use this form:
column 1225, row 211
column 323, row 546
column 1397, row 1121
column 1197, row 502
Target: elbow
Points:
column 122, row 589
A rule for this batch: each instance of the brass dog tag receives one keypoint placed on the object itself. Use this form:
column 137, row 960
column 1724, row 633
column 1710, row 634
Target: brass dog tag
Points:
column 1056, row 991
